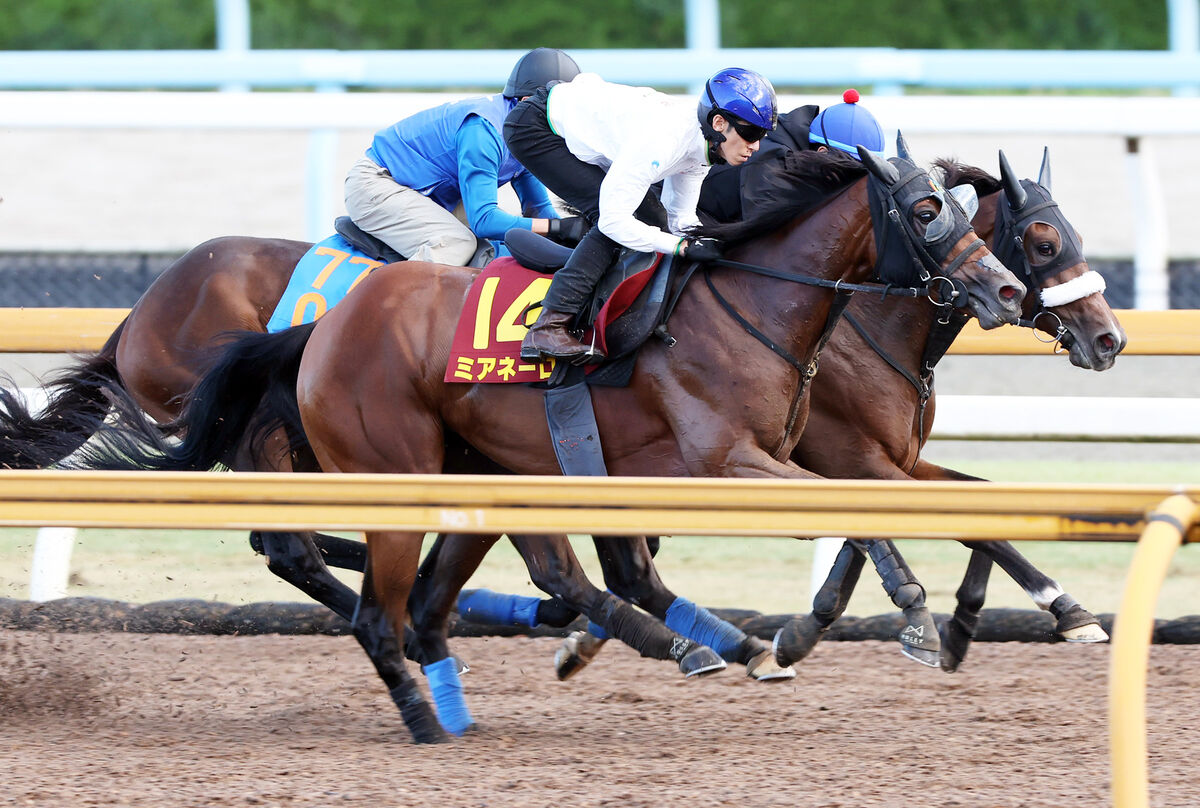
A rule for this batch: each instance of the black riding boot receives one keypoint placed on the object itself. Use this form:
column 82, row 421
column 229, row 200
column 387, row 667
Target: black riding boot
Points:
column 568, row 292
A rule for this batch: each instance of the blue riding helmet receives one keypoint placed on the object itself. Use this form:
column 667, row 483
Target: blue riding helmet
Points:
column 739, row 95
column 538, row 68
column 847, row 126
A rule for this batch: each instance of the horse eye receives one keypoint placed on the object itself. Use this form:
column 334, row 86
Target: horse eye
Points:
column 926, row 216
column 1046, row 249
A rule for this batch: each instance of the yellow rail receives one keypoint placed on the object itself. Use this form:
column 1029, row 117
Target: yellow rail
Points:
column 1151, row 333
column 605, row 506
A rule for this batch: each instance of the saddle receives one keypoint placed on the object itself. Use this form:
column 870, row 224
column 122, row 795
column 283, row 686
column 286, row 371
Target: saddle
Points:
column 380, row 251
column 370, row 245
column 625, row 309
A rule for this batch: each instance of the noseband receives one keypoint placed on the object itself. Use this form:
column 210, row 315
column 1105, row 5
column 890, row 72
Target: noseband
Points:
column 1036, row 206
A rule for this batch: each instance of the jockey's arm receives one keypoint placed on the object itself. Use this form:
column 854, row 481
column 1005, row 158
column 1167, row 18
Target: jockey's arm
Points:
column 480, row 155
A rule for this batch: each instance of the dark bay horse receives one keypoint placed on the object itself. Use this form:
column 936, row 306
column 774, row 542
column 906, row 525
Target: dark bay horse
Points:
column 873, row 355
column 369, row 392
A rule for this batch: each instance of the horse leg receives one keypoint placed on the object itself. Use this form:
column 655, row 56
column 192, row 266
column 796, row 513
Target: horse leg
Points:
column 1075, row 623
column 448, row 565
column 959, row 630
column 919, row 638
column 630, row 573
column 800, row 635
column 556, row 570
column 387, row 583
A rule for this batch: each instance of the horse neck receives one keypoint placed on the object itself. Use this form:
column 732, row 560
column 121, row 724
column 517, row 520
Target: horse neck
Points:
column 834, row 242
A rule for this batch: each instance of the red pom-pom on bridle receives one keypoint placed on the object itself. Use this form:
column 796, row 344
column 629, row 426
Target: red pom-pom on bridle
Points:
column 850, row 96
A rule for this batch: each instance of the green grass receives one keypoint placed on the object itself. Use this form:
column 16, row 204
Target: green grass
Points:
column 769, row 575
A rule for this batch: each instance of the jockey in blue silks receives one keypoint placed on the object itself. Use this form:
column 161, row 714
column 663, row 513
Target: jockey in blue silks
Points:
column 406, row 188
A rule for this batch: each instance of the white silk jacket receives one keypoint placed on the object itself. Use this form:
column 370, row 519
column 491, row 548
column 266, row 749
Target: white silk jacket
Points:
column 638, row 136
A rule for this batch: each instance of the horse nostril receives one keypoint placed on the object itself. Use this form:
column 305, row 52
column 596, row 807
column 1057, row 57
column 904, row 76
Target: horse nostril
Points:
column 1106, row 342
column 1010, row 293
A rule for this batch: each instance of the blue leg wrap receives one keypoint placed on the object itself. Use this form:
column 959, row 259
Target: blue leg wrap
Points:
column 486, row 606
column 699, row 624
column 447, row 693
column 597, row 631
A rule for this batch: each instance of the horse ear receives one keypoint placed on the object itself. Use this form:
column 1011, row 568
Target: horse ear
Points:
column 1012, row 186
column 967, row 197
column 1044, row 174
column 881, row 168
column 902, row 146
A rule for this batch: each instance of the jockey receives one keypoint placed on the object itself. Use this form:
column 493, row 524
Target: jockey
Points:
column 842, row 126
column 601, row 146
column 417, row 172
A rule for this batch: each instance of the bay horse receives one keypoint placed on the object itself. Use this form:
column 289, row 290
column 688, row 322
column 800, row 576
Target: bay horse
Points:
column 234, row 283
column 369, row 395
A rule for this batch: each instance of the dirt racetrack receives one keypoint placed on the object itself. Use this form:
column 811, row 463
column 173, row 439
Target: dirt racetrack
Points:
column 167, row 720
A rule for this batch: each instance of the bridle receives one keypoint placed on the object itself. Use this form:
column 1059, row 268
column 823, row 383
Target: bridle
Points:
column 904, row 261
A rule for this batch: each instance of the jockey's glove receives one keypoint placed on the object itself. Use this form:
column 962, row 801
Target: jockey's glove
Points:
column 569, row 230
column 702, row 249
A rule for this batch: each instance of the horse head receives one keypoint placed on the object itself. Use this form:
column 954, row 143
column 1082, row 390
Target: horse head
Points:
column 1065, row 297
column 923, row 235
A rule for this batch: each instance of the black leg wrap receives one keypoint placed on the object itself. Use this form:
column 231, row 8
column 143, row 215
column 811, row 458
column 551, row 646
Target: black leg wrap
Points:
column 898, row 581
column 956, row 634
column 417, row 714
column 796, row 639
column 1070, row 614
column 650, row 638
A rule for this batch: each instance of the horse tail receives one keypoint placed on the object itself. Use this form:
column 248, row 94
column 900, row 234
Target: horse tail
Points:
column 76, row 406
column 245, row 396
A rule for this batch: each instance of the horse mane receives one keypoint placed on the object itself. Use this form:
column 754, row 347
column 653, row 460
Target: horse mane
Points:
column 786, row 185
column 956, row 173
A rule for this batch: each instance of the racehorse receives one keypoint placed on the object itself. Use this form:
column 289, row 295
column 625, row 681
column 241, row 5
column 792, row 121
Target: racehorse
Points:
column 369, row 393
column 233, row 283
column 873, row 355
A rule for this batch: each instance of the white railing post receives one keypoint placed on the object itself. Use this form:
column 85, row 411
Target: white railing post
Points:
column 51, row 569
column 825, row 550
column 1151, row 283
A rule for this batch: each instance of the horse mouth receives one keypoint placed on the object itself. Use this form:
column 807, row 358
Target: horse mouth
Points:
column 988, row 317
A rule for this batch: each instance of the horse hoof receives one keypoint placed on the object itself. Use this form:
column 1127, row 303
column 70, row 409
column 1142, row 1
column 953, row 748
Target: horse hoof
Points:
column 1092, row 633
column 1077, row 624
column 701, row 661
column 796, row 639
column 956, row 639
column 931, row 658
column 576, row 651
column 763, row 668
column 919, row 639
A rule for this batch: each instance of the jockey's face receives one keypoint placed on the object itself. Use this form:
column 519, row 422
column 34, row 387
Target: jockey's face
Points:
column 741, row 139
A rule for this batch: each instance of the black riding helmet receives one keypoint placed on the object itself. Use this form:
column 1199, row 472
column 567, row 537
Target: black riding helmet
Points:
column 538, row 68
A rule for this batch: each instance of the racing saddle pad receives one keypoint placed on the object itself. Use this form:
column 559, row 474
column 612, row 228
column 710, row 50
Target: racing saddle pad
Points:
column 503, row 302
column 325, row 275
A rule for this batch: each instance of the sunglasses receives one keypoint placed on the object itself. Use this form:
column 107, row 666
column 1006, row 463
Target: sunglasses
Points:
column 748, row 131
